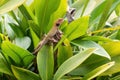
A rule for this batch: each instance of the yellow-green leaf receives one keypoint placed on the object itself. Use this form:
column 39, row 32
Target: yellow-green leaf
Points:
column 24, row 74
column 113, row 48
column 64, row 52
column 61, row 11
column 98, row 71
column 43, row 10
column 19, row 55
column 4, row 67
column 10, row 5
column 77, row 28
column 72, row 63
column 45, row 62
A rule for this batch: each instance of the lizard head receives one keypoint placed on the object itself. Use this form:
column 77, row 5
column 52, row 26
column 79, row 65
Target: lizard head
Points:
column 59, row 22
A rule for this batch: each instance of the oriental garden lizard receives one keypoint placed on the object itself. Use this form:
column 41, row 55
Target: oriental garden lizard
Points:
column 49, row 36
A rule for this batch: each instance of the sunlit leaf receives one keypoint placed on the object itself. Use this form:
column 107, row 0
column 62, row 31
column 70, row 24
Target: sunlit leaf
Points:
column 10, row 5
column 118, row 10
column 18, row 55
column 43, row 10
column 23, row 42
column 89, row 44
column 97, row 38
column 115, row 68
column 96, row 14
column 112, row 48
column 77, row 28
column 59, row 13
column 96, row 72
column 72, row 63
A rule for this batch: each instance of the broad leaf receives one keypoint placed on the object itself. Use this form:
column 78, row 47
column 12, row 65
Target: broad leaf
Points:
column 89, row 65
column 113, row 48
column 4, row 66
column 72, row 63
column 45, row 62
column 98, row 11
column 77, row 28
column 23, row 42
column 115, row 68
column 43, row 10
column 23, row 74
column 10, row 5
column 18, row 55
column 89, row 44
column 96, row 72
column 64, row 52
column 59, row 13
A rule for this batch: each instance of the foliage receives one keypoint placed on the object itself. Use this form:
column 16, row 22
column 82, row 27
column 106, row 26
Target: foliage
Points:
column 88, row 48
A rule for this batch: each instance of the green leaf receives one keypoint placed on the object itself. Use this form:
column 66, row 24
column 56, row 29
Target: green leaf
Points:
column 85, row 5
column 89, row 65
column 105, row 14
column 23, row 74
column 26, row 12
column 34, row 27
column 18, row 55
column 2, row 2
column 43, row 10
column 35, row 38
column 72, row 63
column 96, row 14
column 45, row 62
column 89, row 44
column 78, row 5
column 96, row 72
column 23, row 42
column 59, row 13
column 64, row 52
column 77, row 28
column 10, row 5
column 115, row 68
column 118, row 10
column 112, row 48
column 16, row 29
column 4, row 66
column 97, row 38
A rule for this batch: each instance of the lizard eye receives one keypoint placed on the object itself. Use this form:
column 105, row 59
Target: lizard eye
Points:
column 57, row 24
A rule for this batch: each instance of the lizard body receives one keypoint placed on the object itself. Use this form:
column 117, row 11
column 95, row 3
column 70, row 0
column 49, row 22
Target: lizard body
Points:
column 49, row 36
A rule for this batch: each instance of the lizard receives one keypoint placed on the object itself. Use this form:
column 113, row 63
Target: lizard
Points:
column 49, row 35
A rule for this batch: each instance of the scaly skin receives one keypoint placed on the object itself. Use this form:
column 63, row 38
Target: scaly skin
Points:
column 49, row 36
